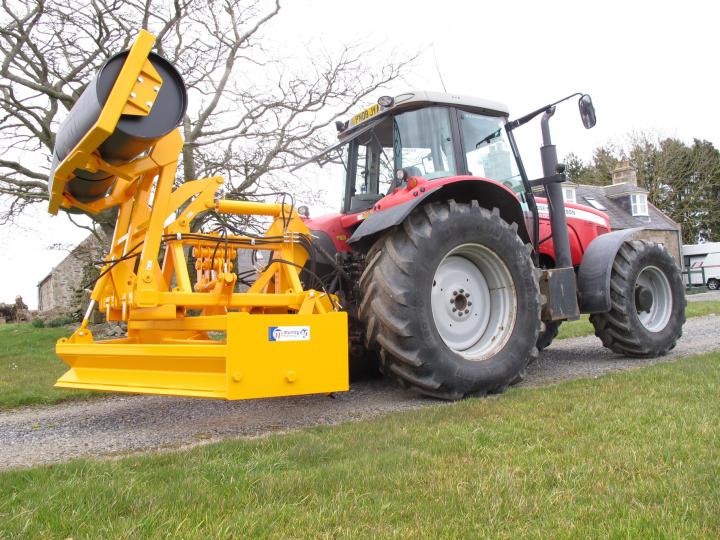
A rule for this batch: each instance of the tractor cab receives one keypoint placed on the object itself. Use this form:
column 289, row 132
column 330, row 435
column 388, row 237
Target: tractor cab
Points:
column 425, row 134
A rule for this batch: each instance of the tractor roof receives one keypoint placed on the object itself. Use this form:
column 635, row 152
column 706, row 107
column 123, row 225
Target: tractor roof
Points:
column 425, row 98
column 417, row 99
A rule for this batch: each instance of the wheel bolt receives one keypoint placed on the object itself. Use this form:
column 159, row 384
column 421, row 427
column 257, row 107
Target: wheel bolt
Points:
column 452, row 301
column 461, row 291
column 454, row 293
column 467, row 295
column 467, row 311
column 454, row 310
column 469, row 303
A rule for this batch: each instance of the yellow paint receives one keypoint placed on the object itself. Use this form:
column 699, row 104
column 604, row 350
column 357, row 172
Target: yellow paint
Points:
column 365, row 115
column 248, row 366
column 167, row 351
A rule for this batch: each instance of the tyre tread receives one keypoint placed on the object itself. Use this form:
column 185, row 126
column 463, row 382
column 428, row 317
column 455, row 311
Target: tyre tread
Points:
column 387, row 295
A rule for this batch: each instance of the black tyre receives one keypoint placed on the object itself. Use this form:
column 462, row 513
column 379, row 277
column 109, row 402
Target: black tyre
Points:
column 713, row 284
column 548, row 335
column 451, row 300
column 648, row 302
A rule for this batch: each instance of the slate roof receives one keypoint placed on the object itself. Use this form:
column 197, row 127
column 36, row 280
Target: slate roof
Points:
column 618, row 208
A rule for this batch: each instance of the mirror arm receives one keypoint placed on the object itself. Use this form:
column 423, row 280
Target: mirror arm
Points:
column 525, row 119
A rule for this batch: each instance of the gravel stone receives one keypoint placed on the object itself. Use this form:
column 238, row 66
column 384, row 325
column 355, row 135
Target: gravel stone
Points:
column 122, row 425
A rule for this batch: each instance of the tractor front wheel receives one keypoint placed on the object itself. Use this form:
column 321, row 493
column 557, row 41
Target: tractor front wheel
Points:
column 451, row 299
column 647, row 302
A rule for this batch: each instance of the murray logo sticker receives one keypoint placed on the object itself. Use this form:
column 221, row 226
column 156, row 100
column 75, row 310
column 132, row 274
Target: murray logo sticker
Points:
column 288, row 333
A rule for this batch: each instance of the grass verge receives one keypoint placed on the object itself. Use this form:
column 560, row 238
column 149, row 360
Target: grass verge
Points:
column 632, row 455
column 29, row 367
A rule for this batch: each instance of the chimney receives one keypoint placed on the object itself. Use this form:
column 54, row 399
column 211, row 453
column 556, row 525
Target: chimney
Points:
column 624, row 174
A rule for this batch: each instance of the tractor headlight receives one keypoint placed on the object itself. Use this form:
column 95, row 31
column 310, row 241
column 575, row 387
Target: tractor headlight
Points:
column 386, row 101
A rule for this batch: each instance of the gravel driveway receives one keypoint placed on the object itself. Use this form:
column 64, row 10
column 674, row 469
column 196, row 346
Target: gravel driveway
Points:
column 121, row 425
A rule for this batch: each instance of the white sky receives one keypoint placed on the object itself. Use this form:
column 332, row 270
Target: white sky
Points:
column 647, row 65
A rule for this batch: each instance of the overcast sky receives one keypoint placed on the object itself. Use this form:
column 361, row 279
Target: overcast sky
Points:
column 647, row 65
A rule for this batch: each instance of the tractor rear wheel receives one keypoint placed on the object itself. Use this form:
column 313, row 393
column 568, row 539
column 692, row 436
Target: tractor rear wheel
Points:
column 451, row 300
column 648, row 302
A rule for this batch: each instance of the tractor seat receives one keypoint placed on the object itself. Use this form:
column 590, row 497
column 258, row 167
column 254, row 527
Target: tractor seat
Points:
column 364, row 201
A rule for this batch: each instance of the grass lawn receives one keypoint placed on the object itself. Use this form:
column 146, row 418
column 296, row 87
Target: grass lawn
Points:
column 631, row 455
column 29, row 367
column 582, row 327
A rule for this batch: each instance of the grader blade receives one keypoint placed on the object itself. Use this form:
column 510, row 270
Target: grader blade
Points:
column 263, row 356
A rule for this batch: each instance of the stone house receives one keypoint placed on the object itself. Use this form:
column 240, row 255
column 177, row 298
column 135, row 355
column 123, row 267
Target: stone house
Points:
column 59, row 291
column 627, row 206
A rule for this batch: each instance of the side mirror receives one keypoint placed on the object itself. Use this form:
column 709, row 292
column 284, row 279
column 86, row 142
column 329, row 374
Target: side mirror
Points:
column 587, row 111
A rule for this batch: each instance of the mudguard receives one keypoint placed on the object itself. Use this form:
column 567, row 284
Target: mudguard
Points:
column 595, row 270
column 487, row 194
column 379, row 221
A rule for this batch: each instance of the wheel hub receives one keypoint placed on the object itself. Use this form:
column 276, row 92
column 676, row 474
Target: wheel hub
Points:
column 643, row 298
column 473, row 301
column 461, row 302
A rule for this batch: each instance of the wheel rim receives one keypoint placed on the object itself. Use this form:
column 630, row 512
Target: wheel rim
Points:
column 713, row 284
column 656, row 316
column 473, row 302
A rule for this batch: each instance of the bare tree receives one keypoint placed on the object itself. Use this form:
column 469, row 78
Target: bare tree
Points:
column 251, row 113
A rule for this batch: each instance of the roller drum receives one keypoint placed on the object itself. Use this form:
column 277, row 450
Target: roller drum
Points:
column 133, row 135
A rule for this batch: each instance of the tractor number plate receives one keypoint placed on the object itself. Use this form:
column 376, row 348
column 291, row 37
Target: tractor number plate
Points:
column 365, row 115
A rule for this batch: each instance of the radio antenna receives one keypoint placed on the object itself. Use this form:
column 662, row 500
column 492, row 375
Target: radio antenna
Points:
column 437, row 67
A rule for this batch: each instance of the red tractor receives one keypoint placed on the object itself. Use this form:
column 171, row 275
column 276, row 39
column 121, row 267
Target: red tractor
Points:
column 454, row 272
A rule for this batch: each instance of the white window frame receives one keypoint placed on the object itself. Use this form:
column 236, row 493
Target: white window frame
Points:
column 639, row 204
column 597, row 205
column 569, row 195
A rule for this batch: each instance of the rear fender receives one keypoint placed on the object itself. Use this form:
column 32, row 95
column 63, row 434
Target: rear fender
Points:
column 488, row 195
column 596, row 268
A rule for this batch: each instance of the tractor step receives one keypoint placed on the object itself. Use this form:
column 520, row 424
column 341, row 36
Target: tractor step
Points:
column 263, row 356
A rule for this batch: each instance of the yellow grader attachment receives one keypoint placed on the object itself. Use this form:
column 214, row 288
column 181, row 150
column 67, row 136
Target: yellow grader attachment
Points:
column 201, row 339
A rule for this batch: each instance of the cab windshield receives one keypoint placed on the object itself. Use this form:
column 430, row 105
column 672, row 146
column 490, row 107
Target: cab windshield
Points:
column 487, row 150
column 416, row 140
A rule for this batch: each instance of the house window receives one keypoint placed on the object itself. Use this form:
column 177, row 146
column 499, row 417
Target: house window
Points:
column 638, row 204
column 592, row 201
column 569, row 194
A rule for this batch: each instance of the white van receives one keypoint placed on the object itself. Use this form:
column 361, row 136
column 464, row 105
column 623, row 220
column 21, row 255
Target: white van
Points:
column 703, row 257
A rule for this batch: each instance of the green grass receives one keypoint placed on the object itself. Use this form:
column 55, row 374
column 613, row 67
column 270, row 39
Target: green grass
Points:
column 582, row 327
column 630, row 455
column 29, row 367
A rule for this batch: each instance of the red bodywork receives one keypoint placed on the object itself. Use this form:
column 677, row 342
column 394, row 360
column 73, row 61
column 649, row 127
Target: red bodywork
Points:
column 585, row 223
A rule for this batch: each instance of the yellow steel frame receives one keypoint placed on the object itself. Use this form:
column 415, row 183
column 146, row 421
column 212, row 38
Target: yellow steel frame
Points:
column 276, row 338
